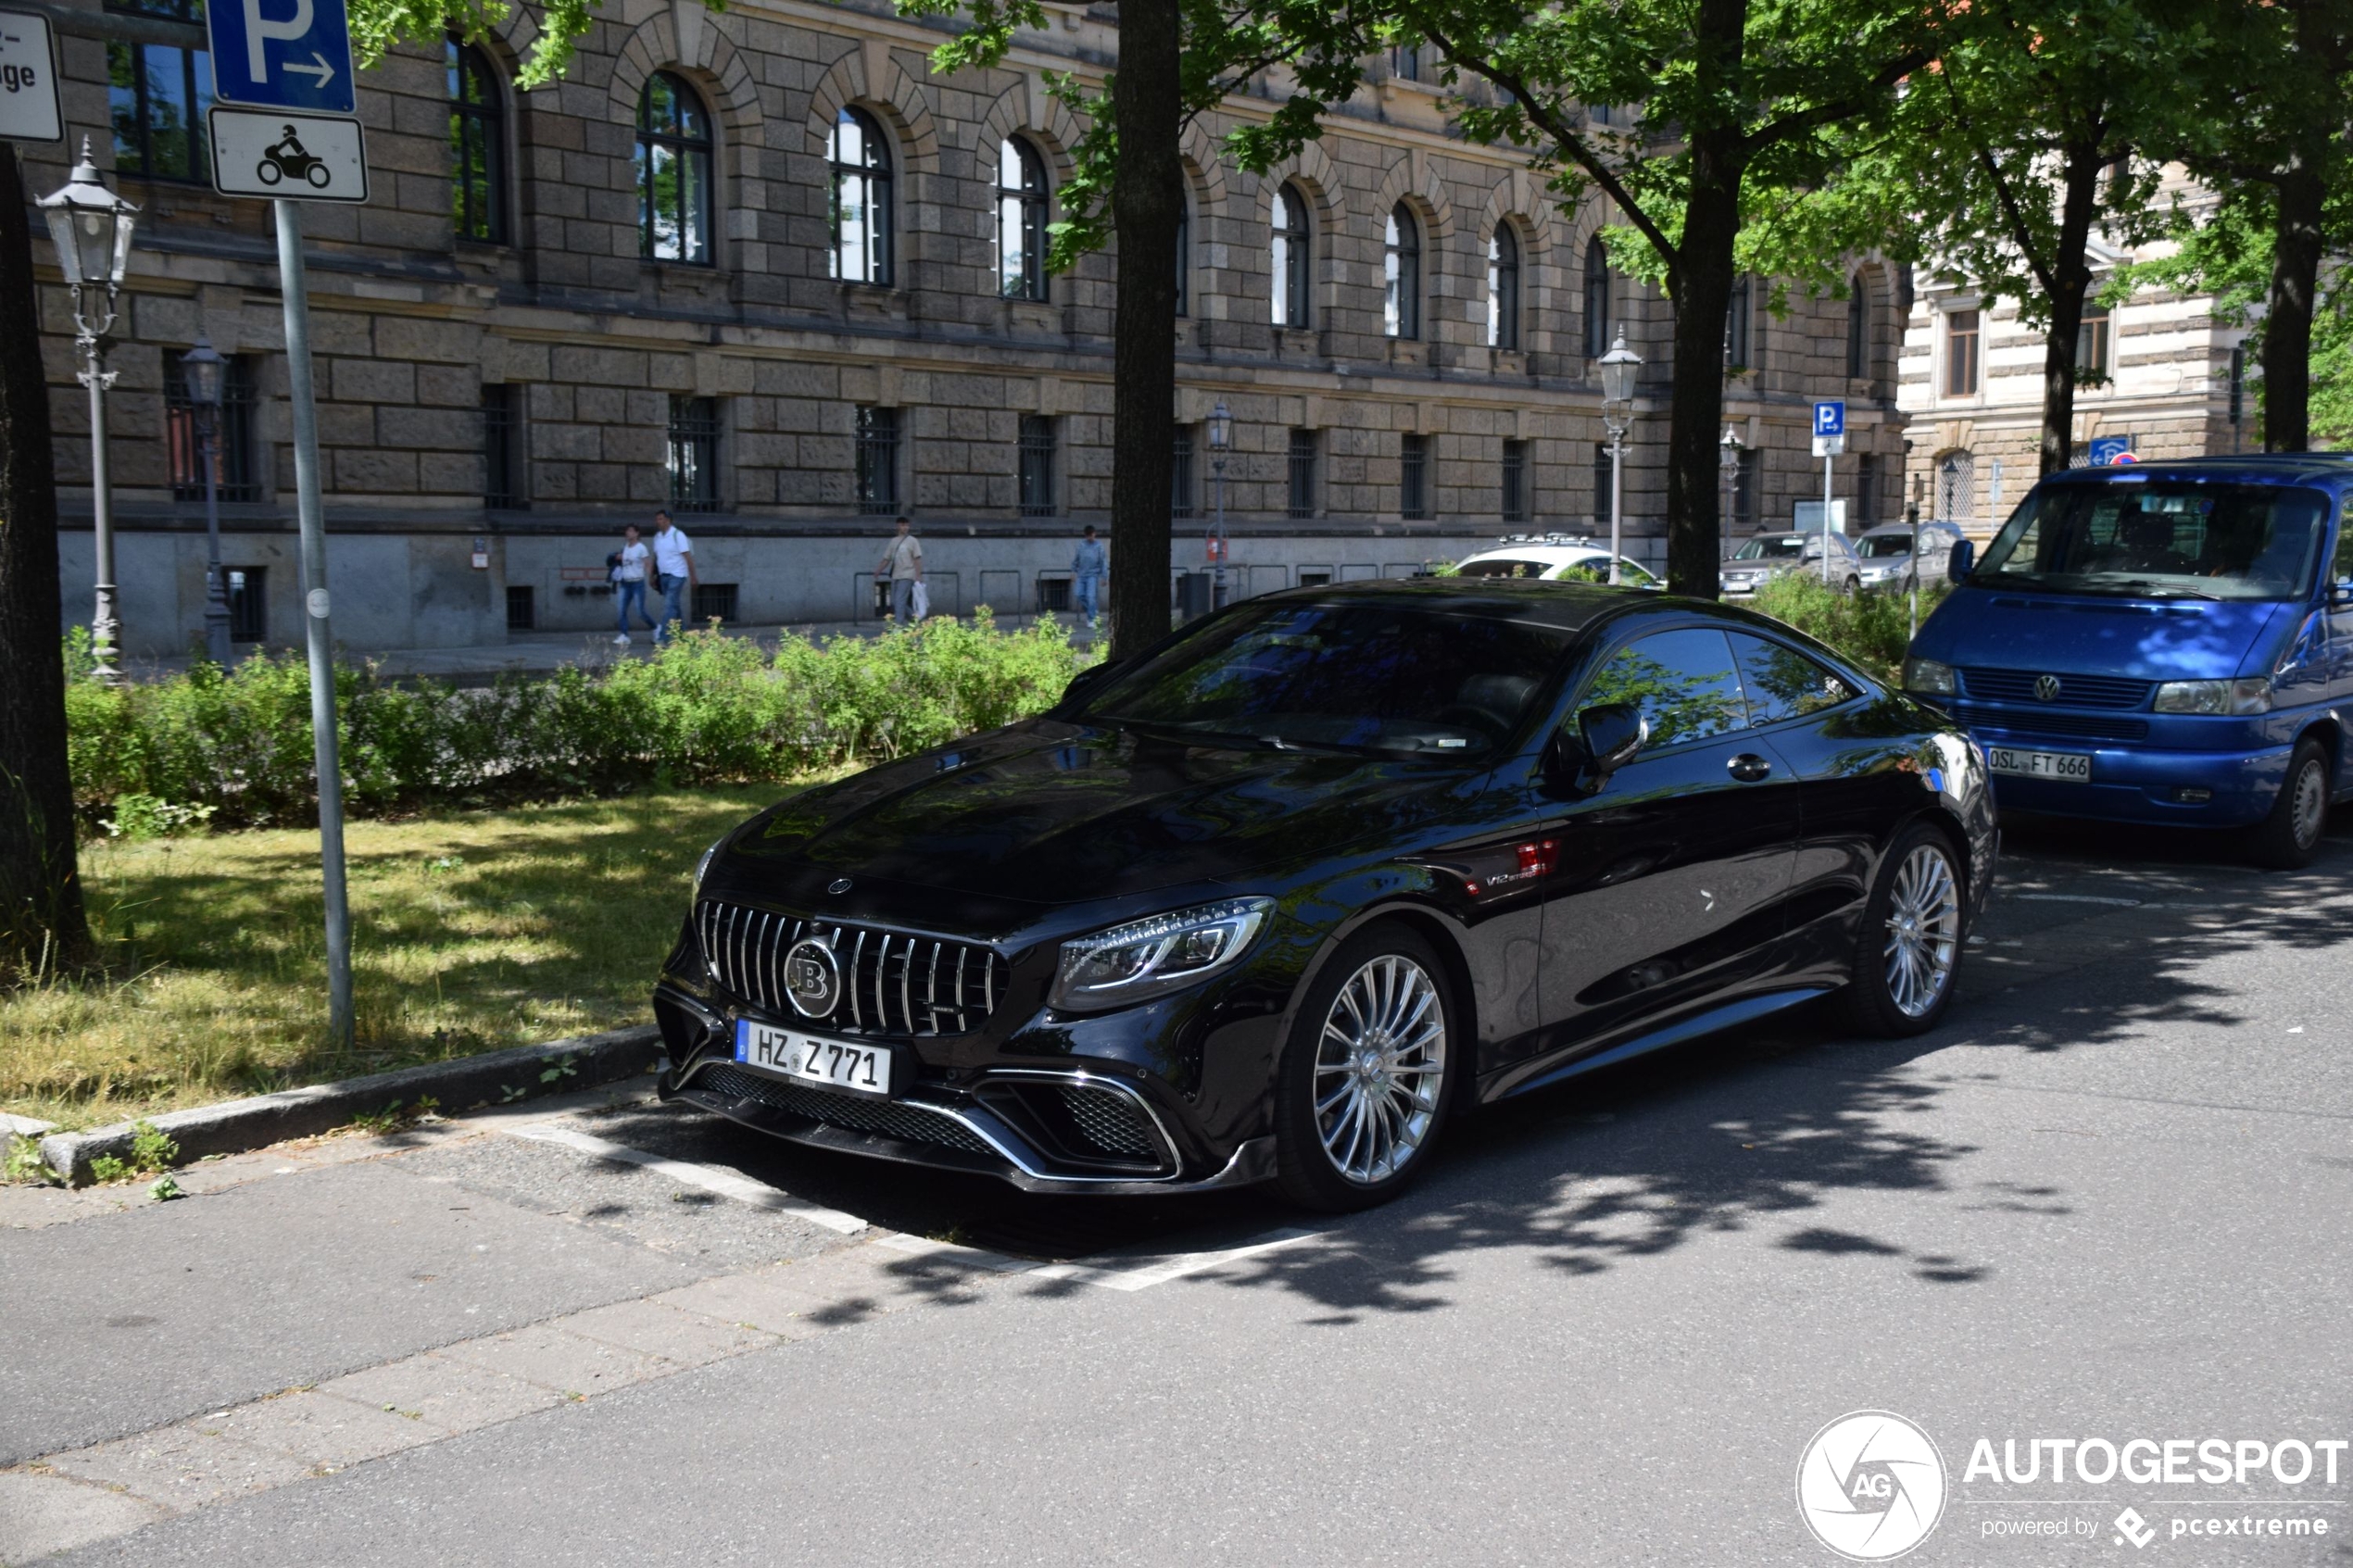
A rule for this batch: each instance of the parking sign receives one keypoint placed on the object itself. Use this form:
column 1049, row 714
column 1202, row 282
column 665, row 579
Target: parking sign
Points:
column 2108, row 450
column 282, row 54
column 1830, row 419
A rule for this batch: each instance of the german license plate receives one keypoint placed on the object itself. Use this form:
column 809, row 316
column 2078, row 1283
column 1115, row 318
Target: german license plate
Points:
column 2066, row 767
column 834, row 1064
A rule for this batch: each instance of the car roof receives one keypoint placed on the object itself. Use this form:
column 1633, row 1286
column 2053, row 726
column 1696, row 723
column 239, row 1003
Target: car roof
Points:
column 1568, row 607
column 2332, row 468
column 1553, row 553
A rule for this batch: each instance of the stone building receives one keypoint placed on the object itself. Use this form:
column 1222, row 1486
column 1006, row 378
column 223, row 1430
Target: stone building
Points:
column 765, row 267
column 2171, row 375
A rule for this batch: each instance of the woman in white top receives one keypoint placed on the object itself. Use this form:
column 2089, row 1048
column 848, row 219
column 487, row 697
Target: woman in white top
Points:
column 629, row 582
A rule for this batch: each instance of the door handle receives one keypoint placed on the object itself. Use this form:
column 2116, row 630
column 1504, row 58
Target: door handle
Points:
column 1748, row 767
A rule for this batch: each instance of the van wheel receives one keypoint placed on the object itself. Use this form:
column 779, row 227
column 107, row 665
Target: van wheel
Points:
column 2290, row 836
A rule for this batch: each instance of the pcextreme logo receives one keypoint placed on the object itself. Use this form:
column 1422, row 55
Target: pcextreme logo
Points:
column 1870, row 1485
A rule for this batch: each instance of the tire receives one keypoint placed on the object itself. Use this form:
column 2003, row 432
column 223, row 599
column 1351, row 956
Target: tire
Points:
column 1854, row 587
column 1335, row 1161
column 267, row 172
column 2290, row 836
column 318, row 174
column 1907, row 957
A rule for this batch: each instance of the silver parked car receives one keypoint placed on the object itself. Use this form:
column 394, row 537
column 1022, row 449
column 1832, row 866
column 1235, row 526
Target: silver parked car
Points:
column 1769, row 554
column 1893, row 553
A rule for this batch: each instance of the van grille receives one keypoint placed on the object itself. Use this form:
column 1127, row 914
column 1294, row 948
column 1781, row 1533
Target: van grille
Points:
column 2075, row 691
column 2043, row 721
column 893, row 982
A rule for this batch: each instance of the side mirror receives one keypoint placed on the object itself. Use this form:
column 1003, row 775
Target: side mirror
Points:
column 1611, row 733
column 1964, row 556
column 2341, row 592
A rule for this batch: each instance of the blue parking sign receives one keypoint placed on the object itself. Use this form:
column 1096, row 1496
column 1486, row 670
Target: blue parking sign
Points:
column 1830, row 419
column 2108, row 450
column 282, row 54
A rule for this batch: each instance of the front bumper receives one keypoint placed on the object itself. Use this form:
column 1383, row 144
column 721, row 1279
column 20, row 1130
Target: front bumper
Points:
column 2146, row 785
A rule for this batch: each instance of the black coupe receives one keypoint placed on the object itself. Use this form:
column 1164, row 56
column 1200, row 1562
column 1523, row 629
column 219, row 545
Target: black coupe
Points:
column 1284, row 896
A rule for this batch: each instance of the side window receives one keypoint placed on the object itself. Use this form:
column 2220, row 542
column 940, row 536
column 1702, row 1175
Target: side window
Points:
column 2343, row 569
column 1684, row 682
column 1782, row 682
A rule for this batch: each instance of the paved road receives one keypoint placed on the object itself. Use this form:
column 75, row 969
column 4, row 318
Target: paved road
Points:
column 2107, row 1200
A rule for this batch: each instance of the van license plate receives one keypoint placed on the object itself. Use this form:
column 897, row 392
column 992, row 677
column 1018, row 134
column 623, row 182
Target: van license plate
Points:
column 2066, row 767
column 836, row 1064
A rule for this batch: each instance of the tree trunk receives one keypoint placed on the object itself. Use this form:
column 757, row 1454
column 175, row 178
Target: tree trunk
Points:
column 2296, row 246
column 1147, row 201
column 1701, row 280
column 40, row 916
column 2071, row 280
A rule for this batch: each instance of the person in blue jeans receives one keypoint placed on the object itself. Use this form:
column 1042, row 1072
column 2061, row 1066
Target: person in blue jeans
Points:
column 1087, row 570
column 674, row 574
column 629, row 582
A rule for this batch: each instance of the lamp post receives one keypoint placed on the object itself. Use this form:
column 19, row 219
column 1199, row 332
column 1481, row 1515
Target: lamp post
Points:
column 1730, row 447
column 202, row 370
column 91, row 227
column 1952, row 472
column 1618, row 368
column 1221, row 440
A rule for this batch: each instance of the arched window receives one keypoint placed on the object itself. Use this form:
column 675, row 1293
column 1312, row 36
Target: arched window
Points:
column 674, row 172
column 1503, row 288
column 1292, row 240
column 1021, row 221
column 859, row 159
column 1184, row 255
column 1858, row 328
column 1400, row 269
column 1596, row 299
column 477, row 145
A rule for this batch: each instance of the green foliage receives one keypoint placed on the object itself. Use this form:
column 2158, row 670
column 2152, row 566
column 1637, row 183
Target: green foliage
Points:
column 378, row 25
column 152, row 1148
column 1872, row 628
column 23, row 1162
column 233, row 747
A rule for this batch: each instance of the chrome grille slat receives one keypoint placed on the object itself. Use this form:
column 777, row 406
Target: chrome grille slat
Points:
column 744, row 950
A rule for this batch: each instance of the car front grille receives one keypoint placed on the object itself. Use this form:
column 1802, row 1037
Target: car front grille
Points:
column 903, row 1120
column 2074, row 691
column 893, row 982
column 2042, row 721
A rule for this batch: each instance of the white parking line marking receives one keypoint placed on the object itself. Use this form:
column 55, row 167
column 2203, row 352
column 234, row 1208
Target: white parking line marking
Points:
column 1159, row 1270
column 954, row 1252
column 711, row 1178
column 2078, row 898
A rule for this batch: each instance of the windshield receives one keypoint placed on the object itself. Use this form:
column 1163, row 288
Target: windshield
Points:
column 1501, row 568
column 1779, row 546
column 1361, row 676
column 2180, row 540
column 1879, row 547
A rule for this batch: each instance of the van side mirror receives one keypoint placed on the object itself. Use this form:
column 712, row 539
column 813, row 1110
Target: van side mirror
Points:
column 1956, row 566
column 1612, row 733
column 2341, row 592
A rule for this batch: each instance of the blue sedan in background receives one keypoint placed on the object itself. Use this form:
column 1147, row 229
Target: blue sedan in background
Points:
column 2168, row 644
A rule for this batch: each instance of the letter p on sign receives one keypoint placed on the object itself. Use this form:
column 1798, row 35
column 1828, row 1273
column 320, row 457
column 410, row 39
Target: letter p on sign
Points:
column 259, row 28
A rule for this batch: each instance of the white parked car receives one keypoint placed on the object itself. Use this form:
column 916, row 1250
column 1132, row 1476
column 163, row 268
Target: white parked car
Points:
column 1554, row 557
column 1888, row 553
column 1769, row 554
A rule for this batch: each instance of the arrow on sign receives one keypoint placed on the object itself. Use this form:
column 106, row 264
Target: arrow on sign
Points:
column 322, row 70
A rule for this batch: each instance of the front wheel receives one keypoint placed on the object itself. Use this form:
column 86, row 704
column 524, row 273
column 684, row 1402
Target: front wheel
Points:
column 1854, row 587
column 1909, row 952
column 1362, row 1091
column 318, row 174
column 2290, row 836
column 268, row 171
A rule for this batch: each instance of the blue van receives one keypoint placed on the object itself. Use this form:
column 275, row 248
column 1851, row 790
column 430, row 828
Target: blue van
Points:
column 2168, row 644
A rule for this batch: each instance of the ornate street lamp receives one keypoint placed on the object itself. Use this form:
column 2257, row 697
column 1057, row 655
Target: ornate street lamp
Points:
column 1951, row 510
column 202, row 371
column 1221, row 440
column 1731, row 445
column 1618, row 368
column 91, row 227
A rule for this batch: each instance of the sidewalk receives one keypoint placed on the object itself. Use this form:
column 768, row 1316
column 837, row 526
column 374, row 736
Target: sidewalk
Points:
column 540, row 653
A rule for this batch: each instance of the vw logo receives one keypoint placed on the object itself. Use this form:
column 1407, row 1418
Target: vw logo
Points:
column 2046, row 687
column 813, row 978
column 839, row 884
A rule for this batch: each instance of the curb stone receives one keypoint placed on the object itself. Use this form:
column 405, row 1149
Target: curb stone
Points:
column 459, row 1084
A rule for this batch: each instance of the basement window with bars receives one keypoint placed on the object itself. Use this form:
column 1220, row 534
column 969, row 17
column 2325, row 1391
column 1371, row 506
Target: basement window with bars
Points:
column 877, row 461
column 1036, row 466
column 1413, row 476
column 714, row 601
column 1180, row 476
column 1302, row 473
column 522, row 614
column 1514, row 478
column 502, row 487
column 694, row 454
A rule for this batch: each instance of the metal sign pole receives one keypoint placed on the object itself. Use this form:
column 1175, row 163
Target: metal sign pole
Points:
column 1826, row 517
column 314, row 594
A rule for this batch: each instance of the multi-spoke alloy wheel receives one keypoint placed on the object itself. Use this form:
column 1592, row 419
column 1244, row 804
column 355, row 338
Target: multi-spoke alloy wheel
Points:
column 1923, row 931
column 1381, row 1069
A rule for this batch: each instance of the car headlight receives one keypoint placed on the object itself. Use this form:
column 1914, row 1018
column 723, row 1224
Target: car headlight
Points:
column 704, row 864
column 1928, row 677
column 2250, row 693
column 1151, row 957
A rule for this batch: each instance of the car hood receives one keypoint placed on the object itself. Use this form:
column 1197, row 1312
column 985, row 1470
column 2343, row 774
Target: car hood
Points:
column 1048, row 813
column 2088, row 634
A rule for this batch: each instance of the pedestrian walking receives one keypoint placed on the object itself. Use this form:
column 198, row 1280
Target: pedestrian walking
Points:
column 902, row 568
column 629, row 564
column 1087, row 570
column 674, row 574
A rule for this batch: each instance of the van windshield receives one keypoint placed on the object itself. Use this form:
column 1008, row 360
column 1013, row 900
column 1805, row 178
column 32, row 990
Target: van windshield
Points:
column 2156, row 540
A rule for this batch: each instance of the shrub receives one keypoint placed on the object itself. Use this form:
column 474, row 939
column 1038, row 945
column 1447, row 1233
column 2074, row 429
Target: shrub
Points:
column 1870, row 628
column 235, row 746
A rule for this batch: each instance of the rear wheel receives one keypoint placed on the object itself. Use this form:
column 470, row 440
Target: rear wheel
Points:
column 1362, row 1091
column 1908, row 955
column 2290, row 836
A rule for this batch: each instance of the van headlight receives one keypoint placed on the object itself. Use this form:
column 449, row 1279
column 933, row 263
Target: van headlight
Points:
column 1150, row 958
column 1928, row 677
column 2250, row 693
